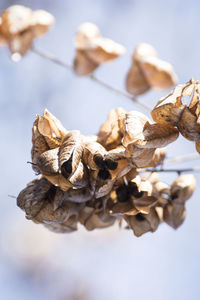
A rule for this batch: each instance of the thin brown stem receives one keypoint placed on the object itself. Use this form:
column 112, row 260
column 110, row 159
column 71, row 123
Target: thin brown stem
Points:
column 181, row 158
column 65, row 65
column 152, row 170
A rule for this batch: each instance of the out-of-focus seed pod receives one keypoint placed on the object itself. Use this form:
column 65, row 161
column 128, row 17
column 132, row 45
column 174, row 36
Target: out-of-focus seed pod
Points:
column 19, row 25
column 93, row 49
column 148, row 71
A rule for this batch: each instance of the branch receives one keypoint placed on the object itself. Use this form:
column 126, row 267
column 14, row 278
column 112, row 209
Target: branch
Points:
column 67, row 66
column 179, row 171
column 181, row 158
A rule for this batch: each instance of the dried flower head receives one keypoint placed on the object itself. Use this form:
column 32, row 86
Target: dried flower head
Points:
column 148, row 71
column 93, row 49
column 19, row 25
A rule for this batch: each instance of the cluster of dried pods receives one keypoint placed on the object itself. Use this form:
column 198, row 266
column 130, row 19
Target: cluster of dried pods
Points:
column 94, row 180
column 19, row 26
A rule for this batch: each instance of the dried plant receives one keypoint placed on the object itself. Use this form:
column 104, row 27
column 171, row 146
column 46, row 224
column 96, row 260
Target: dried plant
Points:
column 19, row 25
column 95, row 180
column 112, row 176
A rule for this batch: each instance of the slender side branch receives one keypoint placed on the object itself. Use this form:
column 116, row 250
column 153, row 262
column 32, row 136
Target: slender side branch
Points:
column 59, row 62
column 181, row 158
column 179, row 171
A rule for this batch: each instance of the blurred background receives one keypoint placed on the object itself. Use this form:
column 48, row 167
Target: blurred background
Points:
column 110, row 263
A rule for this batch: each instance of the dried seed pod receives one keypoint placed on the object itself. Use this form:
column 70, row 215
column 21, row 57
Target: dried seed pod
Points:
column 169, row 110
column 46, row 204
column 93, row 155
column 70, row 153
column 143, row 158
column 92, row 219
column 20, row 25
column 69, row 226
column 142, row 223
column 133, row 126
column 51, row 128
column 110, row 134
column 15, row 19
column 188, row 126
column 174, row 215
column 156, row 136
column 158, row 73
column 82, row 64
column 158, row 157
column 20, row 44
column 132, row 199
column 136, row 84
column 31, row 198
column 39, row 146
column 197, row 146
column 147, row 71
column 48, row 163
column 78, row 195
column 92, row 49
column 182, row 188
column 41, row 21
column 79, row 179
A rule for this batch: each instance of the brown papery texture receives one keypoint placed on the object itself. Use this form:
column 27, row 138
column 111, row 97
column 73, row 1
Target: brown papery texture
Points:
column 19, row 26
column 92, row 49
column 148, row 71
column 95, row 181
